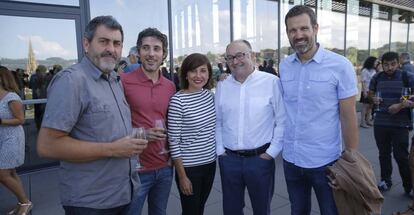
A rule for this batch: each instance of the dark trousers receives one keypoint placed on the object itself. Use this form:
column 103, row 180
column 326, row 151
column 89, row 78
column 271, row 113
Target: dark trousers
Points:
column 300, row 182
column 39, row 110
column 202, row 178
column 393, row 140
column 121, row 210
column 254, row 173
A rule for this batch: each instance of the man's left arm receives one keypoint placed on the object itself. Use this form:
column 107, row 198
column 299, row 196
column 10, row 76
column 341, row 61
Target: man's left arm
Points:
column 349, row 122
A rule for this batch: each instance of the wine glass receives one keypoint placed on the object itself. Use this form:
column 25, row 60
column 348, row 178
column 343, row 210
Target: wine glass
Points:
column 405, row 93
column 138, row 133
column 159, row 123
column 378, row 95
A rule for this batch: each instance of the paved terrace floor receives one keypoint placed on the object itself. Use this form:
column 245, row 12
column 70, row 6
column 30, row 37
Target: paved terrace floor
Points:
column 42, row 187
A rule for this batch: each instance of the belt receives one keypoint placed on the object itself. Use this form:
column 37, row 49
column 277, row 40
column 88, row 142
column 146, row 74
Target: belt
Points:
column 249, row 152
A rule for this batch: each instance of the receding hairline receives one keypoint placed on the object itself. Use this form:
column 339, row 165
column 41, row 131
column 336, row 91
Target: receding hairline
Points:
column 240, row 41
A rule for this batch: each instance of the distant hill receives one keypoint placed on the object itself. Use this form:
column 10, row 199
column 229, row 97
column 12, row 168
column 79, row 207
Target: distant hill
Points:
column 49, row 62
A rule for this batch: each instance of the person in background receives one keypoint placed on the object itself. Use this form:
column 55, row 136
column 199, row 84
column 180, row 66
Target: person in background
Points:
column 405, row 62
column 249, row 131
column 191, row 134
column 393, row 120
column 148, row 93
column 87, row 126
column 133, row 60
column 38, row 84
column 269, row 68
column 319, row 90
column 368, row 71
column 12, row 143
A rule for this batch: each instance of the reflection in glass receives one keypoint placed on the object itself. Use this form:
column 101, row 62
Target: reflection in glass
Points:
column 357, row 35
column 134, row 16
column 27, row 43
column 331, row 18
column 257, row 22
column 411, row 41
column 380, row 30
column 399, row 30
column 201, row 26
column 56, row 2
column 285, row 48
column 46, row 41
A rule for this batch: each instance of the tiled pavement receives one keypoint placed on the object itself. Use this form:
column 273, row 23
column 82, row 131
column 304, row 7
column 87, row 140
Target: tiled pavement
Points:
column 43, row 190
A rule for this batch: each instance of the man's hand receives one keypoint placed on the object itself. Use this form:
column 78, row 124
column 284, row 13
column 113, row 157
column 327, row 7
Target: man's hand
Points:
column 266, row 156
column 376, row 100
column 127, row 147
column 395, row 108
column 155, row 134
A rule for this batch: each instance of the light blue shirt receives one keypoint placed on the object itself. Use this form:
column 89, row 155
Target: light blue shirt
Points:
column 312, row 91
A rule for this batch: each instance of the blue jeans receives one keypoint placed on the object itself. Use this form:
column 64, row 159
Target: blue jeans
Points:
column 300, row 182
column 255, row 174
column 156, row 185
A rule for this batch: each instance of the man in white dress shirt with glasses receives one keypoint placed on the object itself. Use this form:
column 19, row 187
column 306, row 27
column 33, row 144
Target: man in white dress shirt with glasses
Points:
column 249, row 131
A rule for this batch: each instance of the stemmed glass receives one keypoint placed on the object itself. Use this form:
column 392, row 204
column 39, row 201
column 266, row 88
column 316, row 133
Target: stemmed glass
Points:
column 405, row 93
column 378, row 95
column 159, row 123
column 138, row 133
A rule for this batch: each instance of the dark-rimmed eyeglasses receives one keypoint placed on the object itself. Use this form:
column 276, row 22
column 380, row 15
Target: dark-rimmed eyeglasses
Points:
column 238, row 56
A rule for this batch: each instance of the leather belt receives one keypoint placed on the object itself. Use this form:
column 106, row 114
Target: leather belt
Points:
column 249, row 152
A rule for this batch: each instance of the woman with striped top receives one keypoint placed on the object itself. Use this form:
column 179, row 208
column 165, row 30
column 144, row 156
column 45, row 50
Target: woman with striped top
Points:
column 191, row 133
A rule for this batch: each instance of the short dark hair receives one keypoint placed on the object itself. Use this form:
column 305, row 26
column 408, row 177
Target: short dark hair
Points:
column 153, row 32
column 7, row 80
column 370, row 62
column 190, row 63
column 389, row 56
column 299, row 10
column 107, row 21
column 405, row 56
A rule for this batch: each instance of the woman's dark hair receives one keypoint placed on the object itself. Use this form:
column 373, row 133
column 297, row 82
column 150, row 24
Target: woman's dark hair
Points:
column 190, row 63
column 370, row 62
column 7, row 81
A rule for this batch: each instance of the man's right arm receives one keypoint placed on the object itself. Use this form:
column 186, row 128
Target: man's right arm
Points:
column 56, row 144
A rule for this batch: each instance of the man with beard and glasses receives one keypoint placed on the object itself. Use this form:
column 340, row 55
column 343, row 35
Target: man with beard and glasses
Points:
column 319, row 89
column 87, row 124
column 148, row 93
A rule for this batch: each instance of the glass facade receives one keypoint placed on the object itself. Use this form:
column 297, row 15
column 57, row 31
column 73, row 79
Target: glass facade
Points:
column 331, row 20
column 357, row 34
column 354, row 28
column 380, row 30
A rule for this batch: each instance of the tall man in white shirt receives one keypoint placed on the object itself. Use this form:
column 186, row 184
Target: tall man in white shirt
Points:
column 250, row 125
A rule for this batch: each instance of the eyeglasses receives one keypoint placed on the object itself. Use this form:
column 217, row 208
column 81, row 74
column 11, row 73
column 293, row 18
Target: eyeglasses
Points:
column 238, row 56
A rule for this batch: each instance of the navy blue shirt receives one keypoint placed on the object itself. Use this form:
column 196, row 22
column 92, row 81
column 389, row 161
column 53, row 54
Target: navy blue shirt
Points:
column 390, row 87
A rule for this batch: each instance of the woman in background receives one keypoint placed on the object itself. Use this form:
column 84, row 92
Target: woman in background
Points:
column 12, row 140
column 191, row 133
column 368, row 71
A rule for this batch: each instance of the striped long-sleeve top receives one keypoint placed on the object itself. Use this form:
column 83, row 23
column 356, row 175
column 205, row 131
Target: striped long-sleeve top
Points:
column 191, row 128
